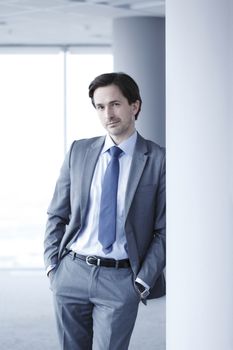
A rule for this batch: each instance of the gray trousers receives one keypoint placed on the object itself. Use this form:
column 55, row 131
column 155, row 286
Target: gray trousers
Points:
column 95, row 307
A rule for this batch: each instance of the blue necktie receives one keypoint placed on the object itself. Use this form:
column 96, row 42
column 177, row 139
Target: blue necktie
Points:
column 108, row 202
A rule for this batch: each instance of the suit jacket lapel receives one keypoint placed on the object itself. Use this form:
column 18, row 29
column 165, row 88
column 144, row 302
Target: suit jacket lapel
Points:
column 90, row 161
column 138, row 163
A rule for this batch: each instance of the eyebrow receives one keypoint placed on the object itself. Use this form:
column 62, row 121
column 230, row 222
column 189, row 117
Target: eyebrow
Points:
column 113, row 101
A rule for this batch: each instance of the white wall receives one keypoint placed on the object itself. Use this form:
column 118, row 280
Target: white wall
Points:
column 199, row 175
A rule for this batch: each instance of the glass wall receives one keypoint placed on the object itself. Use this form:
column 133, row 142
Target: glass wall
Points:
column 44, row 106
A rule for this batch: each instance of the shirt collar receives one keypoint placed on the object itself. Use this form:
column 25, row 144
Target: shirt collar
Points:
column 127, row 145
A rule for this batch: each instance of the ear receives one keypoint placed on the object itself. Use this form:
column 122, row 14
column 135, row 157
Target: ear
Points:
column 135, row 106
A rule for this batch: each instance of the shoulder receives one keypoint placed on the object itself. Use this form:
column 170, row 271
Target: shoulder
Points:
column 83, row 145
column 79, row 148
column 152, row 148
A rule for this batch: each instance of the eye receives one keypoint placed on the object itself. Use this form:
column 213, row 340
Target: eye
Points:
column 116, row 104
column 100, row 107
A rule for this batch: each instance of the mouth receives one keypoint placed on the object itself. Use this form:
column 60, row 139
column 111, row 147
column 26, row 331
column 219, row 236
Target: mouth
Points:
column 112, row 124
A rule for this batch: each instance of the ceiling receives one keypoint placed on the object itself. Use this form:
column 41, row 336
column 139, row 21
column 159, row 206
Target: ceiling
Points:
column 67, row 22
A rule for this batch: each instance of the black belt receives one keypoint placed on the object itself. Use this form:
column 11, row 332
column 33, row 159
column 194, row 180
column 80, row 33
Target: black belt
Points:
column 99, row 261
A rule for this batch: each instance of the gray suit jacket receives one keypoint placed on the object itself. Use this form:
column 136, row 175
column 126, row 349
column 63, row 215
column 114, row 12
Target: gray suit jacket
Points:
column 144, row 207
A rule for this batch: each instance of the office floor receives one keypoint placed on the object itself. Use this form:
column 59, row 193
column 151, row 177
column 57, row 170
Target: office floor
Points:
column 27, row 319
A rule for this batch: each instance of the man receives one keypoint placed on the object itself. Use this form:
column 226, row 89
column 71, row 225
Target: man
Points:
column 105, row 235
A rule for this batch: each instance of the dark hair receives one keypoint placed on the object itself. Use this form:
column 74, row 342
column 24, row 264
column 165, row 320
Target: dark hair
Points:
column 125, row 83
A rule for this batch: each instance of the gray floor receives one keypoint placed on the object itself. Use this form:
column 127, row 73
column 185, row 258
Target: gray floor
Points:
column 27, row 320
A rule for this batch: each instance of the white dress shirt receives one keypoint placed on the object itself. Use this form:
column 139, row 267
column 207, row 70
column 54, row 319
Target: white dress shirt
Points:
column 87, row 242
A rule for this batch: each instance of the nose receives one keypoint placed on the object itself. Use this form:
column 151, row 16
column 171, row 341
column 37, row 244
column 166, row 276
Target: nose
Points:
column 109, row 113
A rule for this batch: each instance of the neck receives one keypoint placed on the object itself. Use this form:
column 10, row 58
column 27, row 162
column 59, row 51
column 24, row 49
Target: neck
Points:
column 119, row 139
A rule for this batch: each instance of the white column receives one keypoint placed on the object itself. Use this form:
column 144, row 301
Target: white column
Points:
column 199, row 175
column 139, row 50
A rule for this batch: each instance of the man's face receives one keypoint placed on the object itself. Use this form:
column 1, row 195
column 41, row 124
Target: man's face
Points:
column 116, row 114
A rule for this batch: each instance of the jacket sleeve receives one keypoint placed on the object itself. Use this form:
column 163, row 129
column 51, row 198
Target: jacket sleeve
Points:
column 155, row 259
column 58, row 214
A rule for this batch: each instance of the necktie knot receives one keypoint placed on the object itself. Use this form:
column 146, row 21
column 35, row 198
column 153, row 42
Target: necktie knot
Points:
column 115, row 151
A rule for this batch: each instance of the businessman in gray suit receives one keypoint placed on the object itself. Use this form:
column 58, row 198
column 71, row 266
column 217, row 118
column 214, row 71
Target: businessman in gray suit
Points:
column 105, row 234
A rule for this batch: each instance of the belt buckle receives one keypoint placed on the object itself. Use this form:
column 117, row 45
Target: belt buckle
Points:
column 97, row 260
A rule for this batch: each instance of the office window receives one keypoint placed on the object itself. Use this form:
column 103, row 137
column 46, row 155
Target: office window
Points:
column 40, row 114
column 82, row 120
